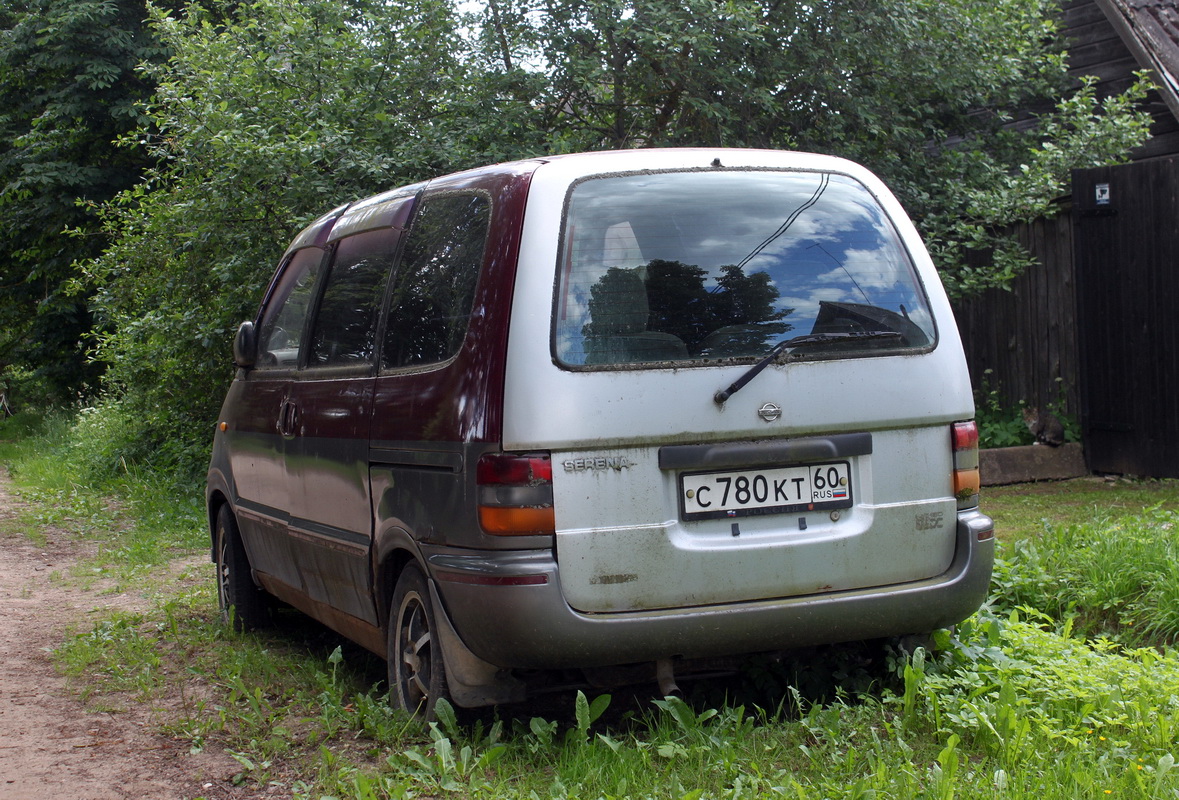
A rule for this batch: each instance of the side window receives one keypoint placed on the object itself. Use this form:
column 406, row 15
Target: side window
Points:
column 345, row 325
column 286, row 314
column 435, row 284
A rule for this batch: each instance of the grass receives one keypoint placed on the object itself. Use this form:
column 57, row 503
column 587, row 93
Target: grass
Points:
column 1065, row 686
column 1023, row 510
column 133, row 524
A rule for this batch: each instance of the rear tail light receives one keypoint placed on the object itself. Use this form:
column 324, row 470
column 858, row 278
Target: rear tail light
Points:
column 966, row 475
column 515, row 494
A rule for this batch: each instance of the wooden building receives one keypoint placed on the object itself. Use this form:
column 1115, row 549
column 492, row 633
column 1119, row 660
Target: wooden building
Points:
column 1095, row 329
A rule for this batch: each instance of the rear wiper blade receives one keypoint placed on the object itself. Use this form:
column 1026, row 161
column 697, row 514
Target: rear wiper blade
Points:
column 789, row 344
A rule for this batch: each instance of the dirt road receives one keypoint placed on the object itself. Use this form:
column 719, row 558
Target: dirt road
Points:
column 51, row 747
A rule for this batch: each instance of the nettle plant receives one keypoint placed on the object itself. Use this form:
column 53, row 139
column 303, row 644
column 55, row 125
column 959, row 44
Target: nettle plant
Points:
column 1001, row 424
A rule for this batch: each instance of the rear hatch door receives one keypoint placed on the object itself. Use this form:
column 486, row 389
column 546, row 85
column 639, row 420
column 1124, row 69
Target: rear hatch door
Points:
column 798, row 281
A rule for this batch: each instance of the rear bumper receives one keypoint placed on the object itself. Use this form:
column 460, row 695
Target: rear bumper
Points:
column 507, row 616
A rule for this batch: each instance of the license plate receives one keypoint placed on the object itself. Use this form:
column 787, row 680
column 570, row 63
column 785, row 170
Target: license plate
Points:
column 776, row 490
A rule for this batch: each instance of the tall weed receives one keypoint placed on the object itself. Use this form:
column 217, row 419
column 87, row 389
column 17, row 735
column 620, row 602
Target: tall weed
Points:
column 1045, row 709
column 1112, row 577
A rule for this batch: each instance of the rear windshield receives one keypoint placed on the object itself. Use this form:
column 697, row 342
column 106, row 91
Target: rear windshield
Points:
column 717, row 265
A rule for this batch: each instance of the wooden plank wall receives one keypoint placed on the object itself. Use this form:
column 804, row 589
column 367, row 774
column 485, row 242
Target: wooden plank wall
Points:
column 1023, row 342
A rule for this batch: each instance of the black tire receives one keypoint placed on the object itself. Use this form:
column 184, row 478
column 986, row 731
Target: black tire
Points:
column 417, row 674
column 243, row 604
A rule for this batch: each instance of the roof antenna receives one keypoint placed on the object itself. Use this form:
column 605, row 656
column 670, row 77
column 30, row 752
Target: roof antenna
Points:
column 716, row 162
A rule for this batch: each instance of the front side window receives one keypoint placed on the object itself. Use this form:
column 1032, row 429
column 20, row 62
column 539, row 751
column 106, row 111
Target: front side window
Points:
column 723, row 265
column 434, row 289
column 285, row 316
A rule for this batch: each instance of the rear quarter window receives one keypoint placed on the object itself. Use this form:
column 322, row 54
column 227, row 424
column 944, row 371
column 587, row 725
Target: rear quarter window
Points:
column 704, row 266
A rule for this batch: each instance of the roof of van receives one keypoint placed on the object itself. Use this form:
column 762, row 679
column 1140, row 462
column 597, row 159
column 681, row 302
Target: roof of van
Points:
column 378, row 210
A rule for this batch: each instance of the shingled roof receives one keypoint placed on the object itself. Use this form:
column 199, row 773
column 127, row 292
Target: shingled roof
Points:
column 1150, row 29
column 1111, row 39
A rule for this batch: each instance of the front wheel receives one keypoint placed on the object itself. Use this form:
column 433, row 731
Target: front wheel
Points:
column 243, row 604
column 417, row 675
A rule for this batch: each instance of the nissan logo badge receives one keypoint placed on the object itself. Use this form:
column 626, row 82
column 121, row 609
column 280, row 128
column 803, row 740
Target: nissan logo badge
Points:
column 770, row 412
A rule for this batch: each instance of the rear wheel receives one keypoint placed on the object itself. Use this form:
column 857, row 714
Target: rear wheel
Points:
column 243, row 604
column 417, row 675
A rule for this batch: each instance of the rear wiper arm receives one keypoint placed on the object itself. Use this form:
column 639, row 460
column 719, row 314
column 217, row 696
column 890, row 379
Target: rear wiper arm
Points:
column 789, row 344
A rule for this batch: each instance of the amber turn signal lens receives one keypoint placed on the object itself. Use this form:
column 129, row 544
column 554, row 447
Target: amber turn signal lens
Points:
column 517, row 521
column 967, row 482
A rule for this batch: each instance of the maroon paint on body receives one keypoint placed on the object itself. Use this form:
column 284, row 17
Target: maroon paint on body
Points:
column 462, row 400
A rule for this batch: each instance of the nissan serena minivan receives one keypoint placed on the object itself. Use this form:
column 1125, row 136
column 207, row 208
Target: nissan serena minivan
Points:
column 617, row 413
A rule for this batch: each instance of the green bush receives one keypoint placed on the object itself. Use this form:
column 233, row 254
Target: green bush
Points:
column 269, row 116
column 27, row 391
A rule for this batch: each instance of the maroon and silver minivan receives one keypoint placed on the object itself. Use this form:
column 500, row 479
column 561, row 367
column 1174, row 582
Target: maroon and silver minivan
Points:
column 623, row 413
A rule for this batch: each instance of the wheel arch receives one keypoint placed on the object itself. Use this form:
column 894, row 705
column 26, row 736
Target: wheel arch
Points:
column 214, row 503
column 217, row 495
column 394, row 549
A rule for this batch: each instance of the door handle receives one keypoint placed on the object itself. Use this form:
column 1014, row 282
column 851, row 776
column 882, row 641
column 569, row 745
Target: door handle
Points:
column 288, row 418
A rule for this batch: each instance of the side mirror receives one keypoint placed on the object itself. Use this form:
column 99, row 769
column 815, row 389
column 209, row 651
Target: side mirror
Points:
column 245, row 345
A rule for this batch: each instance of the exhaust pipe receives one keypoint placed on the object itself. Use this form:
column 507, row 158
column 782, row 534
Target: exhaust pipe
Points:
column 665, row 676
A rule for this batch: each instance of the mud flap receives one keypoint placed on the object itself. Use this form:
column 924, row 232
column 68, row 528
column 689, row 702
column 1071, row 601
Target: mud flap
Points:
column 472, row 681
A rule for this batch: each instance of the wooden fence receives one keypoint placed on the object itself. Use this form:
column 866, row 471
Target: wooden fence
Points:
column 1022, row 343
column 1094, row 329
column 1127, row 271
